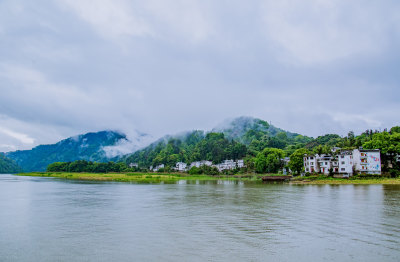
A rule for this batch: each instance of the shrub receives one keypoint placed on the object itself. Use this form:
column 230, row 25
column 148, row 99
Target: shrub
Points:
column 195, row 171
column 394, row 173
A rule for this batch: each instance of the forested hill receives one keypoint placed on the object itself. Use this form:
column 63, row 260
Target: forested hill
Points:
column 245, row 129
column 8, row 166
column 83, row 147
column 243, row 136
column 261, row 148
column 193, row 146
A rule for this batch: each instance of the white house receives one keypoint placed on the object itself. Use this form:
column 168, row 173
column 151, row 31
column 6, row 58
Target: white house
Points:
column 230, row 164
column 345, row 163
column 335, row 164
column 311, row 164
column 133, row 165
column 240, row 163
column 367, row 161
column 180, row 166
column 324, row 163
column 200, row 163
column 158, row 167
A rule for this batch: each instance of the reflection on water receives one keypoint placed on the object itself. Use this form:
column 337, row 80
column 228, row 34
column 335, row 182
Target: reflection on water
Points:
column 44, row 219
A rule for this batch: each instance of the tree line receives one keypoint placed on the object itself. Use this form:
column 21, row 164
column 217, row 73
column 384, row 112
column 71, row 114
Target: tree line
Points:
column 90, row 167
column 262, row 153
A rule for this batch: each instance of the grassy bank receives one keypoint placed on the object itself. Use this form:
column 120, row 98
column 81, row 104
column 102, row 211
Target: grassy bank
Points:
column 138, row 177
column 174, row 177
column 322, row 180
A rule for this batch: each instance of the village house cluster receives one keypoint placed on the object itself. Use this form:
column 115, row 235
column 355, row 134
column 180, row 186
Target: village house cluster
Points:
column 183, row 167
column 344, row 162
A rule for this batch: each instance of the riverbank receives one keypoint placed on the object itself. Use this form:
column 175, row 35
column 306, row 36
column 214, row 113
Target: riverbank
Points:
column 140, row 177
column 175, row 177
column 324, row 180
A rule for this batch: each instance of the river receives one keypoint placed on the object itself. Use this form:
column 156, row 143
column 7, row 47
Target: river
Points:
column 48, row 219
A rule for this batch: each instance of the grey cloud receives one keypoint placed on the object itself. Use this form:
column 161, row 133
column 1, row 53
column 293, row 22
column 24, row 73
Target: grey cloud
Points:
column 161, row 67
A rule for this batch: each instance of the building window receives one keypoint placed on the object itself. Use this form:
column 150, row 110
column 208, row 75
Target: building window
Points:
column 343, row 163
column 343, row 169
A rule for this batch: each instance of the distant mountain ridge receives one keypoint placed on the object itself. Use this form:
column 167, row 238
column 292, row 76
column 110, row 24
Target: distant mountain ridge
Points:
column 89, row 147
column 106, row 146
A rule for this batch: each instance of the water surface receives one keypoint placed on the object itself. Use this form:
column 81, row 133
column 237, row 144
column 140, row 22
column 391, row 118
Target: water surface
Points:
column 47, row 219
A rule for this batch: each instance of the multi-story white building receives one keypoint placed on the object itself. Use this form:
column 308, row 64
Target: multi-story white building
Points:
column 367, row 161
column 200, row 163
column 180, row 166
column 230, row 164
column 240, row 163
column 324, row 163
column 227, row 164
column 335, row 164
column 311, row 164
column 345, row 163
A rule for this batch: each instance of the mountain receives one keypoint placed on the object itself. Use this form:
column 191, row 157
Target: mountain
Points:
column 188, row 147
column 8, row 166
column 231, row 139
column 90, row 146
column 245, row 129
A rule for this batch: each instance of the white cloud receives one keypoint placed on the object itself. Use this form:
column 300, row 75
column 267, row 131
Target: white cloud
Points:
column 349, row 119
column 185, row 19
column 24, row 138
column 319, row 31
column 192, row 63
column 135, row 142
column 110, row 18
column 168, row 20
column 6, row 148
column 32, row 88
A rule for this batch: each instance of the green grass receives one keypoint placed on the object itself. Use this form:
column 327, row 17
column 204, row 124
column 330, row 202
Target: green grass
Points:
column 175, row 177
column 368, row 180
column 139, row 177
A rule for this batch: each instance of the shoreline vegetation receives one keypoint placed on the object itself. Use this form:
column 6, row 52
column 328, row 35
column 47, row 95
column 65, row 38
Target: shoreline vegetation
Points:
column 175, row 177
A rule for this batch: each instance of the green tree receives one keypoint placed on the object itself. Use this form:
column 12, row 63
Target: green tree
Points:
column 58, row 167
column 296, row 162
column 269, row 160
column 395, row 129
column 260, row 163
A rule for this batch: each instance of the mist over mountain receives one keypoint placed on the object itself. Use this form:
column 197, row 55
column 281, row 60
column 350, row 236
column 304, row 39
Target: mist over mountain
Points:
column 244, row 128
column 232, row 139
column 100, row 146
column 228, row 140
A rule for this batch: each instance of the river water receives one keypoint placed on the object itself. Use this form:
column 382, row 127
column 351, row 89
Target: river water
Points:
column 47, row 219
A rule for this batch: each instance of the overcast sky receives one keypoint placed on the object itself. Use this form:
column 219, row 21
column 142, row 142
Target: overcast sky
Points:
column 308, row 66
